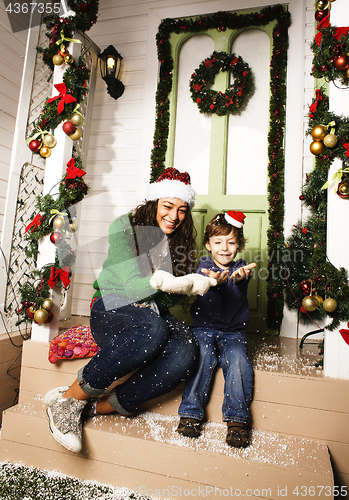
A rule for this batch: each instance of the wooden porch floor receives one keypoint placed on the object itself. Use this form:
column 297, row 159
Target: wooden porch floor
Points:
column 300, row 434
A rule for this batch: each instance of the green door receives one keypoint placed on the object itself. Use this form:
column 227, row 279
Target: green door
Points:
column 226, row 156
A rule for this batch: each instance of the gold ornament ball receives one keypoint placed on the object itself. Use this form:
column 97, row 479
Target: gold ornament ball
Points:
column 49, row 141
column 316, row 147
column 318, row 132
column 319, row 299
column 68, row 59
column 330, row 140
column 59, row 222
column 330, row 305
column 321, row 4
column 40, row 315
column 347, row 72
column 343, row 188
column 45, row 152
column 76, row 135
column 77, row 119
column 310, row 303
column 47, row 304
column 57, row 60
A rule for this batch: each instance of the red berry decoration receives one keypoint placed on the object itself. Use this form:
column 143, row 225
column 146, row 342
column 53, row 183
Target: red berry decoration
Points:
column 56, row 238
column 34, row 145
column 68, row 128
column 83, row 7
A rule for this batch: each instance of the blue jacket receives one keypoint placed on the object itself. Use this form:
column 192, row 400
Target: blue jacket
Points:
column 223, row 307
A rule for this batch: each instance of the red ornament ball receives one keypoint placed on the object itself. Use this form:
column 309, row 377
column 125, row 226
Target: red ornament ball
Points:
column 305, row 287
column 56, row 238
column 34, row 145
column 30, row 311
column 320, row 14
column 68, row 127
column 341, row 62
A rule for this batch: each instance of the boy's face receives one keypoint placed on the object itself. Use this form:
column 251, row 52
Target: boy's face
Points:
column 223, row 249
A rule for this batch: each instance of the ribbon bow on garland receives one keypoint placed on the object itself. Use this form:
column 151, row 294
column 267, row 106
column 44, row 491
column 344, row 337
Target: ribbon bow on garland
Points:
column 56, row 274
column 35, row 223
column 73, row 171
column 63, row 96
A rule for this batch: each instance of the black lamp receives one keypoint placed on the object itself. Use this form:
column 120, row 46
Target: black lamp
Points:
column 110, row 63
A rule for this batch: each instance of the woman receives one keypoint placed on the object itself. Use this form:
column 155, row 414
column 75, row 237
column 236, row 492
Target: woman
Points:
column 145, row 273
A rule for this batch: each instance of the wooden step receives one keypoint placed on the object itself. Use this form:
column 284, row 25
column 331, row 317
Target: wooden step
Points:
column 146, row 454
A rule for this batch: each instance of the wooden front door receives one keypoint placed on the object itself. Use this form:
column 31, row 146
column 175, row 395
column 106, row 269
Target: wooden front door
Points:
column 226, row 156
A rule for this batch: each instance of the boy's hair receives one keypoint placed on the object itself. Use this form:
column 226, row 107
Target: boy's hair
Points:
column 218, row 226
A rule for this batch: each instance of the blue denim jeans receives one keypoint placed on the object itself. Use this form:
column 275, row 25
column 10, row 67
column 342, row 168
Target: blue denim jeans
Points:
column 229, row 350
column 161, row 349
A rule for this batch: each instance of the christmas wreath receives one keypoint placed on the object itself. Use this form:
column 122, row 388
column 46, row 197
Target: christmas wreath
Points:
column 221, row 103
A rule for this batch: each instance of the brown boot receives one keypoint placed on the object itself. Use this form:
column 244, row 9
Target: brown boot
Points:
column 238, row 435
column 190, row 427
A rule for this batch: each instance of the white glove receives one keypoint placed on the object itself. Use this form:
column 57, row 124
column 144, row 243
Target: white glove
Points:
column 190, row 284
column 201, row 284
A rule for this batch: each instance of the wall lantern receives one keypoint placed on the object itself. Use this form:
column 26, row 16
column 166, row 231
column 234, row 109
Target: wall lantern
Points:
column 110, row 63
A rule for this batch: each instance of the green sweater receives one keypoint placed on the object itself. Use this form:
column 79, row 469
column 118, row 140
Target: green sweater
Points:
column 121, row 270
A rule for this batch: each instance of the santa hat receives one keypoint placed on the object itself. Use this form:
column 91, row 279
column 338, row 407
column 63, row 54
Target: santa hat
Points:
column 234, row 218
column 172, row 184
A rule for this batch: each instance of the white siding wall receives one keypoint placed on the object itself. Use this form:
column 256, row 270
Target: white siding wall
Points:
column 12, row 49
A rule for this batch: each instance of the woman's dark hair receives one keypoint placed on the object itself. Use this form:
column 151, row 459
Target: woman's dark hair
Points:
column 218, row 226
column 181, row 242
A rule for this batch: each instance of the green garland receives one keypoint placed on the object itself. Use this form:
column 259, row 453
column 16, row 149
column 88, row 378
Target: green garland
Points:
column 278, row 63
column 329, row 43
column 309, row 238
column 234, row 98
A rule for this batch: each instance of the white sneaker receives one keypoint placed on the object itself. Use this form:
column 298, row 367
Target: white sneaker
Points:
column 53, row 394
column 64, row 417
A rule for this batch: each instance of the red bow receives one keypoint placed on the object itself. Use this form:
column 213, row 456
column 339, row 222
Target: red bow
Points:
column 325, row 23
column 346, row 146
column 56, row 274
column 72, row 171
column 345, row 335
column 35, row 223
column 314, row 106
column 65, row 98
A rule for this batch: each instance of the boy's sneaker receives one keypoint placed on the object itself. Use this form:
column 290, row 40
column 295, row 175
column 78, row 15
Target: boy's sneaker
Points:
column 53, row 394
column 190, row 427
column 64, row 417
column 238, row 435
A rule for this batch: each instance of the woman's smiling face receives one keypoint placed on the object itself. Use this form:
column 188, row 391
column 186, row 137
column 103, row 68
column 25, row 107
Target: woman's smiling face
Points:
column 170, row 214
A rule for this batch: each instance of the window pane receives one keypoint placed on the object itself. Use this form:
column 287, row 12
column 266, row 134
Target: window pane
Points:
column 193, row 130
column 247, row 156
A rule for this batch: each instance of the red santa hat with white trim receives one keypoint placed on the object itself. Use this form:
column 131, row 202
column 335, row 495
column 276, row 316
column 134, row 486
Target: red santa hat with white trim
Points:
column 172, row 184
column 235, row 218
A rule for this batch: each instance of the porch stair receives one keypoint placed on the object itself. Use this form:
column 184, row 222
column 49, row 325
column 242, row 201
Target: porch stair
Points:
column 293, row 427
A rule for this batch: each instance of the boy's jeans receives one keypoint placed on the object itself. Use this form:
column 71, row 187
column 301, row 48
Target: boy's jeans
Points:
column 161, row 349
column 229, row 350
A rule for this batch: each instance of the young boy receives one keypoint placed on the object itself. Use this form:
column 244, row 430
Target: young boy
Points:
column 220, row 318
